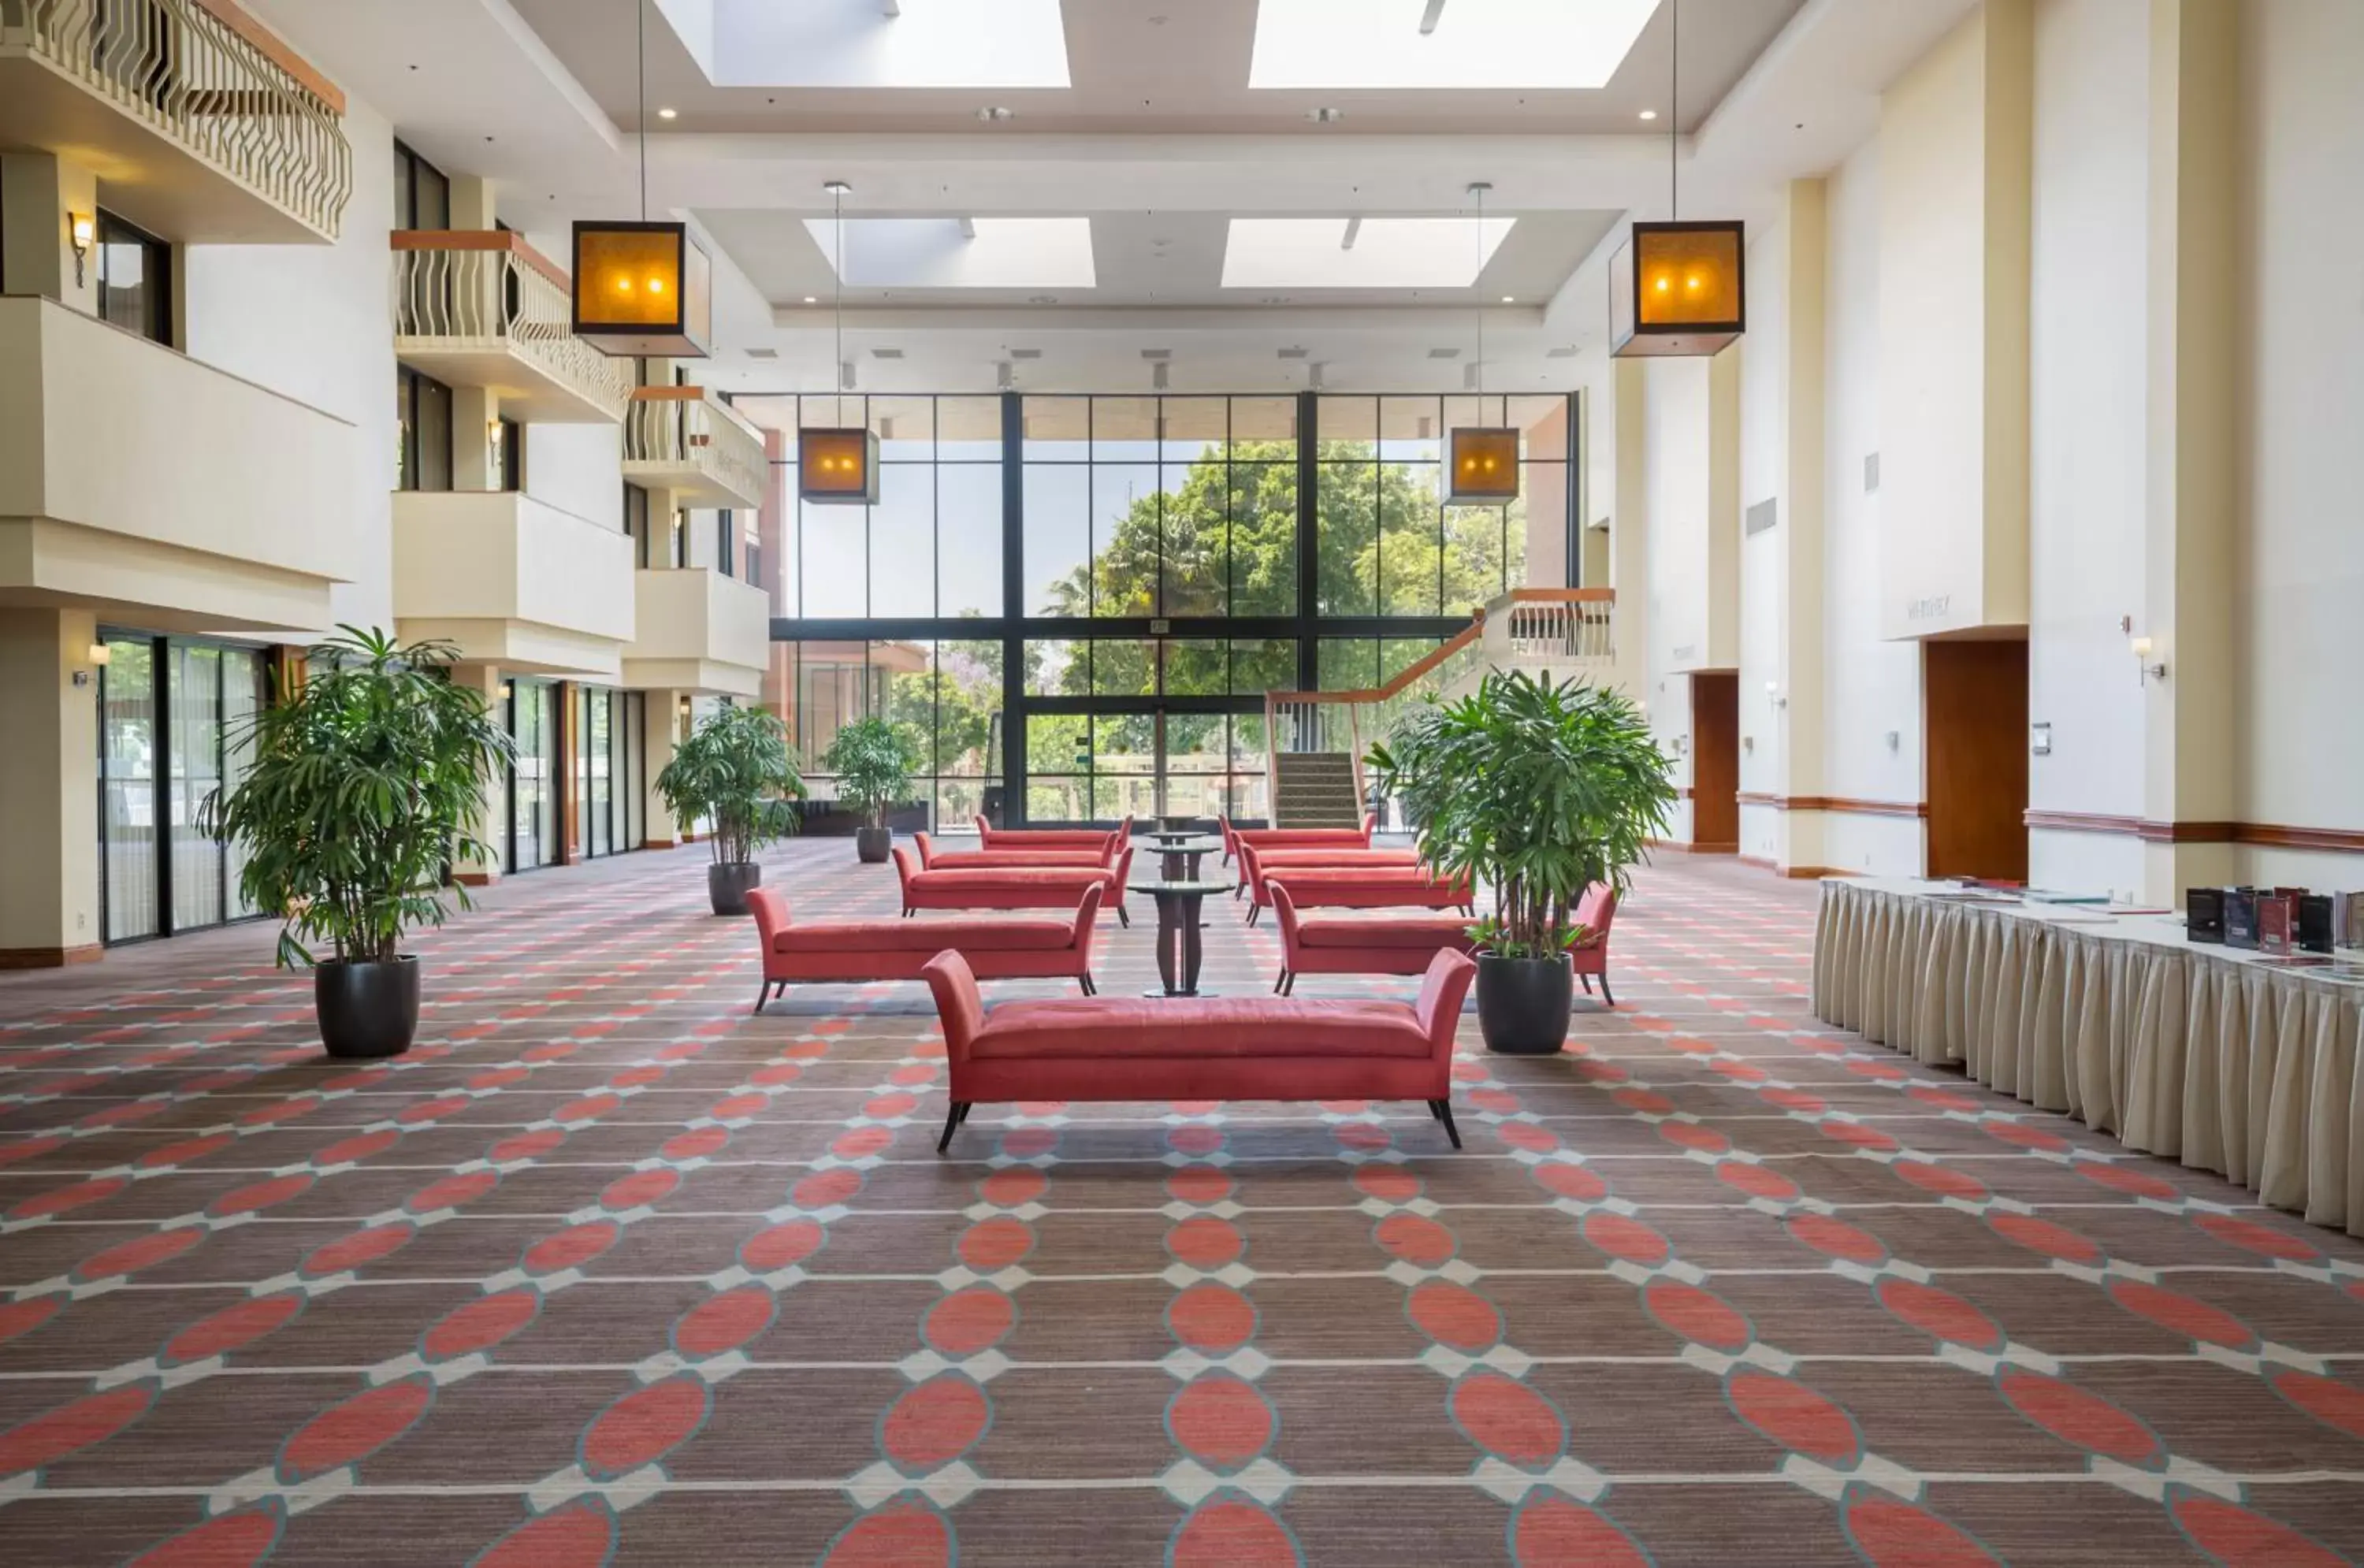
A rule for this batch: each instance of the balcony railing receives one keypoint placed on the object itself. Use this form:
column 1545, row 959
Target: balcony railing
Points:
column 208, row 77
column 486, row 292
column 1555, row 629
column 684, row 439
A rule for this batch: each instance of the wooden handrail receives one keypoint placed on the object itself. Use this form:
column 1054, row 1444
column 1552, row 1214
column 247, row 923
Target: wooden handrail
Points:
column 508, row 239
column 1561, row 596
column 273, row 47
column 669, row 395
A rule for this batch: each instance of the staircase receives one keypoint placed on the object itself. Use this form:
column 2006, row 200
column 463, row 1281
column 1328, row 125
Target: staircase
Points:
column 1315, row 789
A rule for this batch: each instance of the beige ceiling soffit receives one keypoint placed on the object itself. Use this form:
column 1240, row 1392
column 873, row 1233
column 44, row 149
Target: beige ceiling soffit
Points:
column 521, row 33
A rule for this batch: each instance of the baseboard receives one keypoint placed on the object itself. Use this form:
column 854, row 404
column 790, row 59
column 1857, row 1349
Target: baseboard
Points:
column 1732, row 849
column 476, row 878
column 1765, row 862
column 51, row 958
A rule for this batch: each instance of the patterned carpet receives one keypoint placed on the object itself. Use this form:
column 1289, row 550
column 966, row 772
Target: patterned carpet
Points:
column 608, row 1270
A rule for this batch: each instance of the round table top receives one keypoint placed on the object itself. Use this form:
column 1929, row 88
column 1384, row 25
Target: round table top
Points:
column 1178, row 888
column 1186, row 843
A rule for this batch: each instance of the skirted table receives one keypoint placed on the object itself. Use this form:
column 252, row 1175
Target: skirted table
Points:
column 2210, row 1055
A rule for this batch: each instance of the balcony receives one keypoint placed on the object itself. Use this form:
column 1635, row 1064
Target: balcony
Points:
column 512, row 580
column 200, row 124
column 684, row 440
column 134, row 477
column 484, row 308
column 698, row 630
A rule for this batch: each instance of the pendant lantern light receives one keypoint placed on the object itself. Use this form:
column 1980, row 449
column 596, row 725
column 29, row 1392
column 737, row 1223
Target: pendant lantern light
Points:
column 1676, row 288
column 643, row 289
column 837, row 466
column 1481, row 460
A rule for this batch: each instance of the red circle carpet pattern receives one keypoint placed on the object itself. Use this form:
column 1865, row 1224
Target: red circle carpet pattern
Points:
column 607, row 1270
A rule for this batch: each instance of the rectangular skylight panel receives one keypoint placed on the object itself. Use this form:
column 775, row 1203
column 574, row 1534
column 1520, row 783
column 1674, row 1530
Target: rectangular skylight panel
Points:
column 855, row 43
column 933, row 252
column 1476, row 43
column 1388, row 252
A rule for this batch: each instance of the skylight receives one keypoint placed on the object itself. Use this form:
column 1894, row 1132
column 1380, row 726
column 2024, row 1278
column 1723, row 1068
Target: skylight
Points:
column 941, row 252
column 1474, row 43
column 868, row 43
column 1385, row 253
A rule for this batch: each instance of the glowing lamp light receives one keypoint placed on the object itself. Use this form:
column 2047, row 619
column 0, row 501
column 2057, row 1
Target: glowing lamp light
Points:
column 837, row 467
column 642, row 290
column 1678, row 289
column 1483, row 467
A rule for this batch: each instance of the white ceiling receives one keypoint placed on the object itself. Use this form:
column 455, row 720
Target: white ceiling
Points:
column 1158, row 146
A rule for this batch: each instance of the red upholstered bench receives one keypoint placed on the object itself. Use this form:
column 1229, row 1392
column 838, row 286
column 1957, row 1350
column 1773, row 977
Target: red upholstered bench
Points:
column 1245, row 1048
column 1297, row 837
column 994, row 837
column 997, row 947
column 934, row 859
column 1365, row 887
column 1011, row 887
column 1394, row 943
column 1257, row 859
column 1596, row 912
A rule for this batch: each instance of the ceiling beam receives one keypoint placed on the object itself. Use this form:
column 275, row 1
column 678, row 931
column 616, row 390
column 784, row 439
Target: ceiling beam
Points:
column 1428, row 19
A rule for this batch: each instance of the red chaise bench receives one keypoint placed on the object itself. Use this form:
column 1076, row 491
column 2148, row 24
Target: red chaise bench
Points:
column 1396, row 943
column 934, row 859
column 1297, row 837
column 1245, row 1048
column 1363, row 887
column 1256, row 860
column 837, row 951
column 1011, row 887
column 993, row 837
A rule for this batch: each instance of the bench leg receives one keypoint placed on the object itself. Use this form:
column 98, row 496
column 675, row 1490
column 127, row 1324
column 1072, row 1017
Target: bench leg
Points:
column 1086, row 982
column 1254, row 910
column 1288, row 984
column 1442, row 1111
column 952, row 1120
column 762, row 995
column 1607, row 995
column 1123, row 918
column 1588, row 984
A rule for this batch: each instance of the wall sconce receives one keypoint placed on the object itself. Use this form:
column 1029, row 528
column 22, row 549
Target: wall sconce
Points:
column 2146, row 669
column 100, row 654
column 80, row 229
column 1773, row 690
column 506, row 691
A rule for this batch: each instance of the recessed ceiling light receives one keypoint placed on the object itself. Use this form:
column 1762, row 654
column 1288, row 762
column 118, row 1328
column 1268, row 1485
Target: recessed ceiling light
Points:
column 811, row 300
column 1509, row 299
column 668, row 114
column 994, row 113
column 1649, row 114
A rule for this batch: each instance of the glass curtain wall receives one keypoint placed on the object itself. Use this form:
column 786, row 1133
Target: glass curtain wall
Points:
column 609, row 727
column 1094, row 592
column 172, row 717
column 533, row 779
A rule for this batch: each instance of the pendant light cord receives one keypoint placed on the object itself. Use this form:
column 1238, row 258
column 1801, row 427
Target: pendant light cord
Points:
column 1479, row 191
column 640, row 117
column 837, row 297
column 1674, row 108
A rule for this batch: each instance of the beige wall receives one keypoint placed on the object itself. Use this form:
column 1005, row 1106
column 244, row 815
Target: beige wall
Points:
column 516, row 583
column 48, row 777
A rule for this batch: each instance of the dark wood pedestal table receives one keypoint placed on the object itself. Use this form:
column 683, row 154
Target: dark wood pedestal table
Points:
column 1178, row 947
column 1181, row 853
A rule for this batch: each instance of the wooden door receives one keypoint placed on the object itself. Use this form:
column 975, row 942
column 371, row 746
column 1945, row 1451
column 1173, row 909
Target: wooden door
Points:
column 1715, row 761
column 1974, row 755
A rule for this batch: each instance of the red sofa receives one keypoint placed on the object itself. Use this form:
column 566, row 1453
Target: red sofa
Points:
column 1011, row 887
column 1401, row 943
column 1297, row 837
column 996, row 948
column 994, row 837
column 934, row 859
column 1248, row 1048
column 1257, row 859
column 1365, row 887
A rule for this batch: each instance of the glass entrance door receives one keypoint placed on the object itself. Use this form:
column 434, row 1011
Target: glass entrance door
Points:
column 1154, row 761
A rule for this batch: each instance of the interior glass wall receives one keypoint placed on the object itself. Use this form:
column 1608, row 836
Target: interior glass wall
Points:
column 945, row 696
column 533, row 794
column 607, row 727
column 172, row 717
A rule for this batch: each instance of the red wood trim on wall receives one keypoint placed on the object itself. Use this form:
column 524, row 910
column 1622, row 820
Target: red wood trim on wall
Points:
column 1837, row 803
column 2263, row 834
column 276, row 49
column 1799, row 874
column 507, row 239
column 49, row 958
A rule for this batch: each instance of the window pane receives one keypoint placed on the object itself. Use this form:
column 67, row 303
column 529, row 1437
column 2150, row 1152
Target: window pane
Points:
column 1267, row 666
column 1125, row 505
column 1058, row 541
column 1193, row 428
column 195, row 759
column 1473, row 557
column 434, row 434
column 968, row 429
column 1349, row 425
column 1346, row 525
column 1542, row 424
column 906, row 427
column 1348, row 663
column 1057, row 667
column 1056, row 429
column 1194, row 533
column 834, row 570
column 968, row 539
column 1058, row 744
column 128, row 825
column 1124, row 669
column 1411, row 539
column 968, row 700
column 903, row 540
column 1194, row 744
column 1410, row 429
column 1263, row 554
column 1124, row 430
column 242, row 698
column 1196, row 669
column 1264, row 429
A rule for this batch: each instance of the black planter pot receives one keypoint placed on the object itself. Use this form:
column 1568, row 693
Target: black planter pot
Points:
column 727, row 885
column 366, row 1010
column 872, row 844
column 1523, row 1004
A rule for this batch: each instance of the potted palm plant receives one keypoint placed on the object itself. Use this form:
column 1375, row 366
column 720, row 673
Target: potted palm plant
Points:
column 366, row 784
column 736, row 774
column 1537, row 790
column 874, row 762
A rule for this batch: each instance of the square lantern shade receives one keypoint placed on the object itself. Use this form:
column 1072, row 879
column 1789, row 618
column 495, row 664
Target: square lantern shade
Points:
column 1676, row 289
column 643, row 289
column 837, row 467
column 1484, row 467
